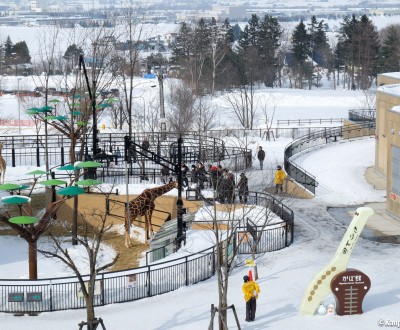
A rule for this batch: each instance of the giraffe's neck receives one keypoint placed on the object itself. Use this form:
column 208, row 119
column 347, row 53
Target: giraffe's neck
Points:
column 163, row 189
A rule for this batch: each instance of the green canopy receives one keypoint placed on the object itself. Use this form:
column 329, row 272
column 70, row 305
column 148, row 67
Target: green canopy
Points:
column 77, row 113
column 12, row 186
column 50, row 117
column 88, row 182
column 23, row 220
column 77, row 96
column 47, row 108
column 75, row 105
column 81, row 123
column 15, row 199
column 54, row 101
column 71, row 191
column 68, row 167
column 61, row 118
column 32, row 112
column 52, row 182
column 37, row 172
column 88, row 164
column 111, row 100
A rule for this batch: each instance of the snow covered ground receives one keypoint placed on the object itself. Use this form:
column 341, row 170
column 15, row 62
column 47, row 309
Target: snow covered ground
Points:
column 284, row 274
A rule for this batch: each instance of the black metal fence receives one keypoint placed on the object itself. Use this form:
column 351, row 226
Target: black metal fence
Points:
column 64, row 293
column 322, row 137
column 55, row 294
column 30, row 150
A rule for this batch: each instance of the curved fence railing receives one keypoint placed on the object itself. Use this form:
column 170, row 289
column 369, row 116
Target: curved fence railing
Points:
column 322, row 137
column 55, row 294
column 30, row 150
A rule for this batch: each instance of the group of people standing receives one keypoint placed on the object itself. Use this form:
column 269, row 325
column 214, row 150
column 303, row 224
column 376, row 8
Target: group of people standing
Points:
column 222, row 180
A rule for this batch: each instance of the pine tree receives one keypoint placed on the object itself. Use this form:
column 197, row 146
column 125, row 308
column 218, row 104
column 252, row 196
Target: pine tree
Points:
column 8, row 49
column 389, row 59
column 269, row 35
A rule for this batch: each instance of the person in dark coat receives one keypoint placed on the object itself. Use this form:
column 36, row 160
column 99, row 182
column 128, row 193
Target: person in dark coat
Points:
column 213, row 177
column 184, row 171
column 261, row 156
column 145, row 146
column 201, row 175
column 164, row 174
column 193, row 174
column 243, row 188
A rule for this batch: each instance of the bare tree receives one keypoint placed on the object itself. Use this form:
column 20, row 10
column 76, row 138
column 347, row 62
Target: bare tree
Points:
column 91, row 239
column 243, row 105
column 268, row 107
column 182, row 111
column 205, row 115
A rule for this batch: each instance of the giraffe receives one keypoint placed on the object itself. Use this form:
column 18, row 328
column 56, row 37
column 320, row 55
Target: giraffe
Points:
column 2, row 164
column 144, row 205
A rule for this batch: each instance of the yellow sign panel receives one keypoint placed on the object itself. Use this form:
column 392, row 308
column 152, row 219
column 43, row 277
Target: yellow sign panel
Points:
column 250, row 263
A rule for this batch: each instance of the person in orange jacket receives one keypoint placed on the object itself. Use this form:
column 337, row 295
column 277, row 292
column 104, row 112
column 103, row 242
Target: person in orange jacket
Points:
column 280, row 176
column 251, row 291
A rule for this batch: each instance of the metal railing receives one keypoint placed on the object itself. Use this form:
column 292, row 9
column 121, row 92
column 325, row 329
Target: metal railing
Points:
column 29, row 150
column 288, row 122
column 322, row 137
column 55, row 294
column 64, row 293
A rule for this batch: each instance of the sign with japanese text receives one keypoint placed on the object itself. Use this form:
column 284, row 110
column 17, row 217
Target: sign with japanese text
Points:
column 349, row 288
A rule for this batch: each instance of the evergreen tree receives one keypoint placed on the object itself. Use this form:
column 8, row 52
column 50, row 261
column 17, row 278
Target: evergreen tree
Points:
column 269, row 35
column 389, row 60
column 301, row 52
column 319, row 47
column 8, row 49
column 21, row 53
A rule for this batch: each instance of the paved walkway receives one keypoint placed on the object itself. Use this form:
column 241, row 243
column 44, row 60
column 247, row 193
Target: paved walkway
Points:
column 383, row 225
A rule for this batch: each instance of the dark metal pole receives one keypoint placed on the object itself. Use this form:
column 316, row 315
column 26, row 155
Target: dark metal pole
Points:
column 179, row 203
column 92, row 96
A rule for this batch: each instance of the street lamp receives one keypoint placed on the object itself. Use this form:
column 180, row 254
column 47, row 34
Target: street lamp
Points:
column 19, row 107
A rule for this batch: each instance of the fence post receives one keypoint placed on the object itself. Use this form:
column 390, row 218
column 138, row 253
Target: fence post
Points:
column 102, row 289
column 37, row 157
column 62, row 156
column 187, row 271
column 148, row 282
column 13, row 157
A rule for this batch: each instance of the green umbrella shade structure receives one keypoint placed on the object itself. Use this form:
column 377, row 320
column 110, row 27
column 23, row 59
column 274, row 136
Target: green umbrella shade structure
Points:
column 53, row 182
column 12, row 186
column 68, row 167
column 88, row 182
column 15, row 199
column 71, row 191
column 81, row 123
column 37, row 172
column 88, row 164
column 23, row 220
column 61, row 118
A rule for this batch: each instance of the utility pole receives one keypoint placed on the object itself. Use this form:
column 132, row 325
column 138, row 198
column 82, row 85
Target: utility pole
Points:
column 163, row 122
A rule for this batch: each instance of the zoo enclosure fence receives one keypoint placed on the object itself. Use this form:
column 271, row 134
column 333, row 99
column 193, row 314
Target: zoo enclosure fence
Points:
column 54, row 294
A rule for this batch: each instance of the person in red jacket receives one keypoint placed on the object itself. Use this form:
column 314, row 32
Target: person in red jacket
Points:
column 250, row 290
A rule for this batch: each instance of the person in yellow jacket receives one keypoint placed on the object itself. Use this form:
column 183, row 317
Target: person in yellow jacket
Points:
column 251, row 291
column 280, row 176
